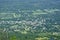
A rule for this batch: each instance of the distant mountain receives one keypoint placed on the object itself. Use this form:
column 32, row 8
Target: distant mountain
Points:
column 14, row 5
